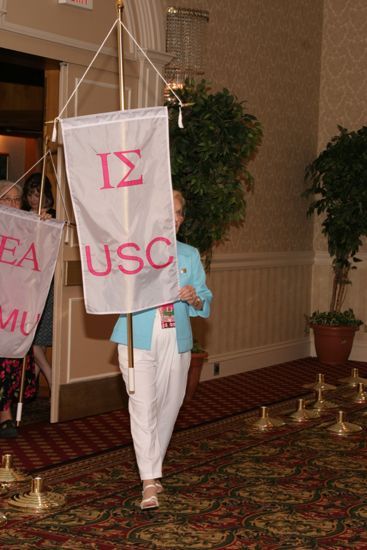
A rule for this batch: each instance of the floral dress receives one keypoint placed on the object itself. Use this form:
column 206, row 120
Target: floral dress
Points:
column 10, row 377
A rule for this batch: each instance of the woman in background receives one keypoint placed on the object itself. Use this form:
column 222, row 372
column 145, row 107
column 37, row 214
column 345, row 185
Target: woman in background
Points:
column 43, row 336
column 162, row 352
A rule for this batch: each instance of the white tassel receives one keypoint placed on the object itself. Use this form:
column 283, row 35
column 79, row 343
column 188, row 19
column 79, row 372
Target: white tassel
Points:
column 180, row 123
column 54, row 130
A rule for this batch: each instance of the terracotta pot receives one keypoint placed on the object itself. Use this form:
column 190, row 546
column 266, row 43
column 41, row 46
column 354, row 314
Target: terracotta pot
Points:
column 333, row 344
column 193, row 377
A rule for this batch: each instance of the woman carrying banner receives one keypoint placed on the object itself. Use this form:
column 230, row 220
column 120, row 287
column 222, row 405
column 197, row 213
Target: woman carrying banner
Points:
column 161, row 364
column 43, row 336
column 10, row 368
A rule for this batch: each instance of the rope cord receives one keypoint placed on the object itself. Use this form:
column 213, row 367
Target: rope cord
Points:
column 54, row 132
column 80, row 81
column 43, row 158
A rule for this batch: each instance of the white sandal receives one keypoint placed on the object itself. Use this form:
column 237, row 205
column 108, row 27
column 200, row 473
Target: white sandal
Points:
column 159, row 486
column 150, row 502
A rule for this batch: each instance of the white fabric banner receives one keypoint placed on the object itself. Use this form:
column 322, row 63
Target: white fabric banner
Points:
column 118, row 169
column 28, row 254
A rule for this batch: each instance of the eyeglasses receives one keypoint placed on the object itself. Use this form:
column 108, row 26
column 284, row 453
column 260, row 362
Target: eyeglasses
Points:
column 8, row 200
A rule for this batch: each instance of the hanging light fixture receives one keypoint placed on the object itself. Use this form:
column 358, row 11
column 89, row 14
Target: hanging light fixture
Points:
column 186, row 41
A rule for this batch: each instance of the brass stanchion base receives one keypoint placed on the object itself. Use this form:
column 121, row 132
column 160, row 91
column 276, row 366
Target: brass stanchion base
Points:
column 322, row 404
column 3, row 519
column 320, row 384
column 354, row 379
column 8, row 474
column 302, row 414
column 343, row 428
column 36, row 500
column 266, row 422
column 361, row 395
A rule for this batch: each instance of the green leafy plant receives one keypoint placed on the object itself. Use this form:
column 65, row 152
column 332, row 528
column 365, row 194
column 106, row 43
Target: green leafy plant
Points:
column 335, row 318
column 197, row 348
column 338, row 185
column 209, row 158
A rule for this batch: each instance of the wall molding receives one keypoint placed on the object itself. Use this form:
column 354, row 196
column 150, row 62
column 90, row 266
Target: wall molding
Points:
column 323, row 258
column 253, row 260
column 256, row 358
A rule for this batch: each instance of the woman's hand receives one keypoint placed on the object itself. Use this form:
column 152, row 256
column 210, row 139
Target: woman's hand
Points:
column 45, row 216
column 188, row 294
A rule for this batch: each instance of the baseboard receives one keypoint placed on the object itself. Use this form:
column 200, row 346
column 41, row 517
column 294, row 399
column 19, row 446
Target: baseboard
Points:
column 78, row 399
column 255, row 358
column 359, row 351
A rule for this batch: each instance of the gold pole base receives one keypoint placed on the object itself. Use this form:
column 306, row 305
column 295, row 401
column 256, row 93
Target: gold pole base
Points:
column 266, row 422
column 8, row 474
column 320, row 384
column 322, row 404
column 343, row 428
column 354, row 379
column 36, row 500
column 361, row 395
column 302, row 414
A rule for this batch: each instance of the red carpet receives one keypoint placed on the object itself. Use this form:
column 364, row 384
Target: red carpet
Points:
column 42, row 445
column 227, row 487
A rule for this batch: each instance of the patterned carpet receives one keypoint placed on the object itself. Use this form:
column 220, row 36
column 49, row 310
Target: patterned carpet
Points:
column 228, row 487
column 42, row 444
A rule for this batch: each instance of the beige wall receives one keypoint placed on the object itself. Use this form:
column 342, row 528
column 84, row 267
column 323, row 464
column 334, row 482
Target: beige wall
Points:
column 343, row 101
column 268, row 53
column 301, row 67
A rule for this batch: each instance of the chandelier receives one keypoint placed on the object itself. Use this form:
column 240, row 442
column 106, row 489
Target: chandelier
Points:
column 186, row 33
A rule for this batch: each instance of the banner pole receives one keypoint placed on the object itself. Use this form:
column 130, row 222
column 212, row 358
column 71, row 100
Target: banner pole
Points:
column 22, row 380
column 129, row 317
column 21, row 392
column 45, row 143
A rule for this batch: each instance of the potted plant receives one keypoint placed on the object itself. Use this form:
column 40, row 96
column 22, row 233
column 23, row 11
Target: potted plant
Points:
column 209, row 158
column 338, row 184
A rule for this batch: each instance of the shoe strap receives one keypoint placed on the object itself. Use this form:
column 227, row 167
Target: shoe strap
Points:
column 149, row 486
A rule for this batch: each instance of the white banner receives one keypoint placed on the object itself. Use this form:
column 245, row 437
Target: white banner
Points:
column 118, row 168
column 28, row 254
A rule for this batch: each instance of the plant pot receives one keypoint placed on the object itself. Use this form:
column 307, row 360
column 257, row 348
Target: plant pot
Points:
column 193, row 377
column 333, row 344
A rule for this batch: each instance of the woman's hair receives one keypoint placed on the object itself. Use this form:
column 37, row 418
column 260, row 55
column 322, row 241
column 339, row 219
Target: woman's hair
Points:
column 6, row 185
column 178, row 195
column 33, row 183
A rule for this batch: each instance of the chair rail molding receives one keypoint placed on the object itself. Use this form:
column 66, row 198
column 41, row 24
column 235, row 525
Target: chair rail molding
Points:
column 251, row 260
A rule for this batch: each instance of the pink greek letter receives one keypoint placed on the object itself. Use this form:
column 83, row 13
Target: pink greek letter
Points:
column 149, row 256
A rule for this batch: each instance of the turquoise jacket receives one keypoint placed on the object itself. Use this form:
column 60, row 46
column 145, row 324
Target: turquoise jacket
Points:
column 191, row 272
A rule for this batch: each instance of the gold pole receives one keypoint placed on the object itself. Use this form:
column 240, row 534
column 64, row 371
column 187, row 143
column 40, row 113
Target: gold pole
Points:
column 120, row 8
column 22, row 380
column 129, row 317
column 45, row 143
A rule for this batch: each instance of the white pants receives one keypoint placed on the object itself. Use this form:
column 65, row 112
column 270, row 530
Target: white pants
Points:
column 160, row 385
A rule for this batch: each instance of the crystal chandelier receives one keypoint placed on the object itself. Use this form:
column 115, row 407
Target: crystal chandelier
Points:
column 186, row 41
